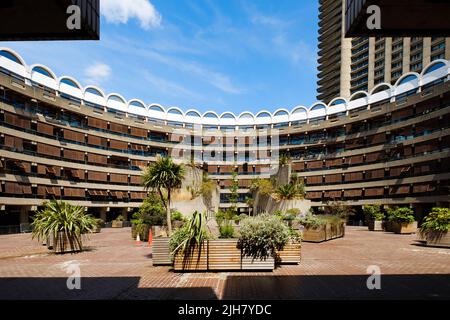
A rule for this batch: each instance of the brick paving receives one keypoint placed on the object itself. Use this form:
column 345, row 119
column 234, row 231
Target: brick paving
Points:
column 113, row 267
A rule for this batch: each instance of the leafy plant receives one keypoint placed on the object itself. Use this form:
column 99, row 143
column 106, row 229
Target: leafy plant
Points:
column 339, row 209
column 263, row 186
column 402, row 214
column 290, row 191
column 438, row 220
column 177, row 216
column 312, row 221
column 151, row 211
column 191, row 235
column 164, row 176
column 284, row 159
column 119, row 218
column 59, row 217
column 373, row 212
column 260, row 236
column 226, row 231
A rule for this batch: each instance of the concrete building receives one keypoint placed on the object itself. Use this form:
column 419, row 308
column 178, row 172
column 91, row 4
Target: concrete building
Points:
column 58, row 139
column 349, row 65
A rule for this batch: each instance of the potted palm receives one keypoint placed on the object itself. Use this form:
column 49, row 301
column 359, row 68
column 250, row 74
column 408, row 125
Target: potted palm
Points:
column 64, row 224
column 118, row 222
column 374, row 217
column 164, row 176
column 436, row 226
column 402, row 220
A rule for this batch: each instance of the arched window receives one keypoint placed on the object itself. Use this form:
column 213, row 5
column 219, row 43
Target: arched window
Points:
column 42, row 71
column 94, row 92
column 10, row 56
column 175, row 111
column 434, row 67
column 210, row 115
column 407, row 79
column 381, row 88
column 137, row 104
column 336, row 102
column 193, row 114
column 156, row 108
column 69, row 83
column 227, row 116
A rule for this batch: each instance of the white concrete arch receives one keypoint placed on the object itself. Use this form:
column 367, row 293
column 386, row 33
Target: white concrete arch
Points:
column 119, row 104
column 228, row 119
column 318, row 109
column 299, row 113
column 210, row 118
column 17, row 66
column 175, row 114
column 193, row 116
column 95, row 95
column 431, row 74
column 49, row 80
column 381, row 92
column 263, row 117
column 357, row 100
column 280, row 115
column 157, row 111
column 401, row 86
column 138, row 107
column 74, row 90
column 337, row 105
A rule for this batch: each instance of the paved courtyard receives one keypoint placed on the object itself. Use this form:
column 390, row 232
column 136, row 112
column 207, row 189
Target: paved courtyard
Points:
column 113, row 267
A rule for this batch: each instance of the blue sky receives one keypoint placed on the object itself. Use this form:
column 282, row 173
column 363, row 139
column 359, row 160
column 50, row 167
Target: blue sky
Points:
column 224, row 55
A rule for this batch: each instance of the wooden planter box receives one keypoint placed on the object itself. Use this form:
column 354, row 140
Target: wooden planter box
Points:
column 438, row 239
column 404, row 227
column 161, row 252
column 62, row 244
column 250, row 263
column 224, row 255
column 117, row 224
column 324, row 233
column 144, row 233
column 290, row 254
column 375, row 225
column 195, row 260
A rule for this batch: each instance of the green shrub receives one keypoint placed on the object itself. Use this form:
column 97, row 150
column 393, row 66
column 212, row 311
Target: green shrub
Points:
column 151, row 211
column 226, row 231
column 177, row 216
column 402, row 214
column 373, row 212
column 260, row 236
column 119, row 218
column 312, row 221
column 437, row 220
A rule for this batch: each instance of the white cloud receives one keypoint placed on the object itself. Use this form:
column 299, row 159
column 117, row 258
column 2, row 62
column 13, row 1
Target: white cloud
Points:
column 97, row 73
column 120, row 11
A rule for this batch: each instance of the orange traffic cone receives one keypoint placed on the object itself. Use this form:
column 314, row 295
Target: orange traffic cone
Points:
column 138, row 240
column 150, row 237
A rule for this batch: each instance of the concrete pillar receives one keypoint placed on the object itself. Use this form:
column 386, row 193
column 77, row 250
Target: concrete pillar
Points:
column 24, row 214
column 103, row 214
column 124, row 214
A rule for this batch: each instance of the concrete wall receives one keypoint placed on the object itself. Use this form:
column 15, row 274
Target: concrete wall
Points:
column 182, row 199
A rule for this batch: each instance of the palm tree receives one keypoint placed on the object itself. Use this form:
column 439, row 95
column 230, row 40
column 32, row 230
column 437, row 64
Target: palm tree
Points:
column 164, row 176
column 63, row 222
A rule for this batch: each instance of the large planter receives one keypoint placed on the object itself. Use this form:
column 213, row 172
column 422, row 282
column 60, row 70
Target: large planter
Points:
column 224, row 254
column 389, row 226
column 64, row 244
column 438, row 239
column 404, row 227
column 161, row 251
column 291, row 253
column 117, row 224
column 143, row 235
column 195, row 260
column 324, row 232
column 375, row 225
column 258, row 263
